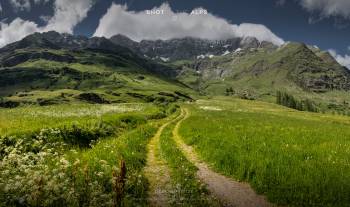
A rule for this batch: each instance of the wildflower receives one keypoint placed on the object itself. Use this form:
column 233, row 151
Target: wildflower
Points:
column 100, row 174
column 77, row 162
column 64, row 161
column 61, row 175
column 103, row 162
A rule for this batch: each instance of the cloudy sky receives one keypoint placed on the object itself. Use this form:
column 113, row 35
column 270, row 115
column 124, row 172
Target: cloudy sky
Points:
column 324, row 23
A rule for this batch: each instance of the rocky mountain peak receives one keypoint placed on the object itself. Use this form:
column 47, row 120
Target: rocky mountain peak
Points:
column 55, row 40
column 188, row 47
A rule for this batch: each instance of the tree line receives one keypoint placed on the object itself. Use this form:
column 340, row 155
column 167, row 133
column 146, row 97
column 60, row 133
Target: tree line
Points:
column 285, row 99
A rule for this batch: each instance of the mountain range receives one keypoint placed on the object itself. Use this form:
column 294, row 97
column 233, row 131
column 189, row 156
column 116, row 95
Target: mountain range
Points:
column 51, row 67
column 187, row 48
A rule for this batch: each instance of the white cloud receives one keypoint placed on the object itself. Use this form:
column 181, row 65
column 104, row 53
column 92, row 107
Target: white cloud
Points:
column 258, row 31
column 343, row 60
column 68, row 13
column 328, row 8
column 45, row 18
column 16, row 30
column 140, row 25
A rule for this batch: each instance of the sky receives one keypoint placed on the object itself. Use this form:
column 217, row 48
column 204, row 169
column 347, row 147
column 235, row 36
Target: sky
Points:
column 322, row 23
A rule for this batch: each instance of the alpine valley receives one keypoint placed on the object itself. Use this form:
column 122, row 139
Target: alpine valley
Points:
column 49, row 68
column 178, row 122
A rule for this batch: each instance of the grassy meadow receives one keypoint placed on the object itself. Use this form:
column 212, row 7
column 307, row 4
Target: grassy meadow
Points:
column 31, row 118
column 76, row 155
column 81, row 154
column 92, row 125
column 295, row 158
column 186, row 189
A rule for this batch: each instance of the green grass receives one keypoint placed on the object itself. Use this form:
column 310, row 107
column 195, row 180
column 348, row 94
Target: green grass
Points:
column 260, row 73
column 32, row 118
column 106, row 156
column 295, row 158
column 69, row 155
column 40, row 63
column 77, row 177
column 91, row 71
column 187, row 190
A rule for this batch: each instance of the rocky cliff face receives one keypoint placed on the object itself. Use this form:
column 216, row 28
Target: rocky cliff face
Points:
column 187, row 48
column 294, row 66
column 238, row 59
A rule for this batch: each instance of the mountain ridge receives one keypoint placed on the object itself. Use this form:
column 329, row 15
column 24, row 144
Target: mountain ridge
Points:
column 188, row 47
column 243, row 66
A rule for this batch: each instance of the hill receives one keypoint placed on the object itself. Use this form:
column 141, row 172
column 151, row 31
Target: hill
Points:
column 51, row 68
column 242, row 67
column 100, row 122
column 247, row 68
column 257, row 73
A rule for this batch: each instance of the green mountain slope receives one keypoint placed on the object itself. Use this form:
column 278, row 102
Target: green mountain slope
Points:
column 118, row 70
column 46, row 69
column 293, row 65
column 258, row 73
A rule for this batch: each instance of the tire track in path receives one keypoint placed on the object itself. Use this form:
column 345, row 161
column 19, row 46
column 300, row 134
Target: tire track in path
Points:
column 228, row 191
column 157, row 171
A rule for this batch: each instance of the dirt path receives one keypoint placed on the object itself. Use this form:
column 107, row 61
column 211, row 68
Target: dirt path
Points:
column 226, row 190
column 157, row 171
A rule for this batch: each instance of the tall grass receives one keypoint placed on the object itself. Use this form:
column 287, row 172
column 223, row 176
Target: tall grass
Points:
column 95, row 161
column 295, row 159
column 28, row 119
column 104, row 158
column 53, row 176
column 187, row 190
